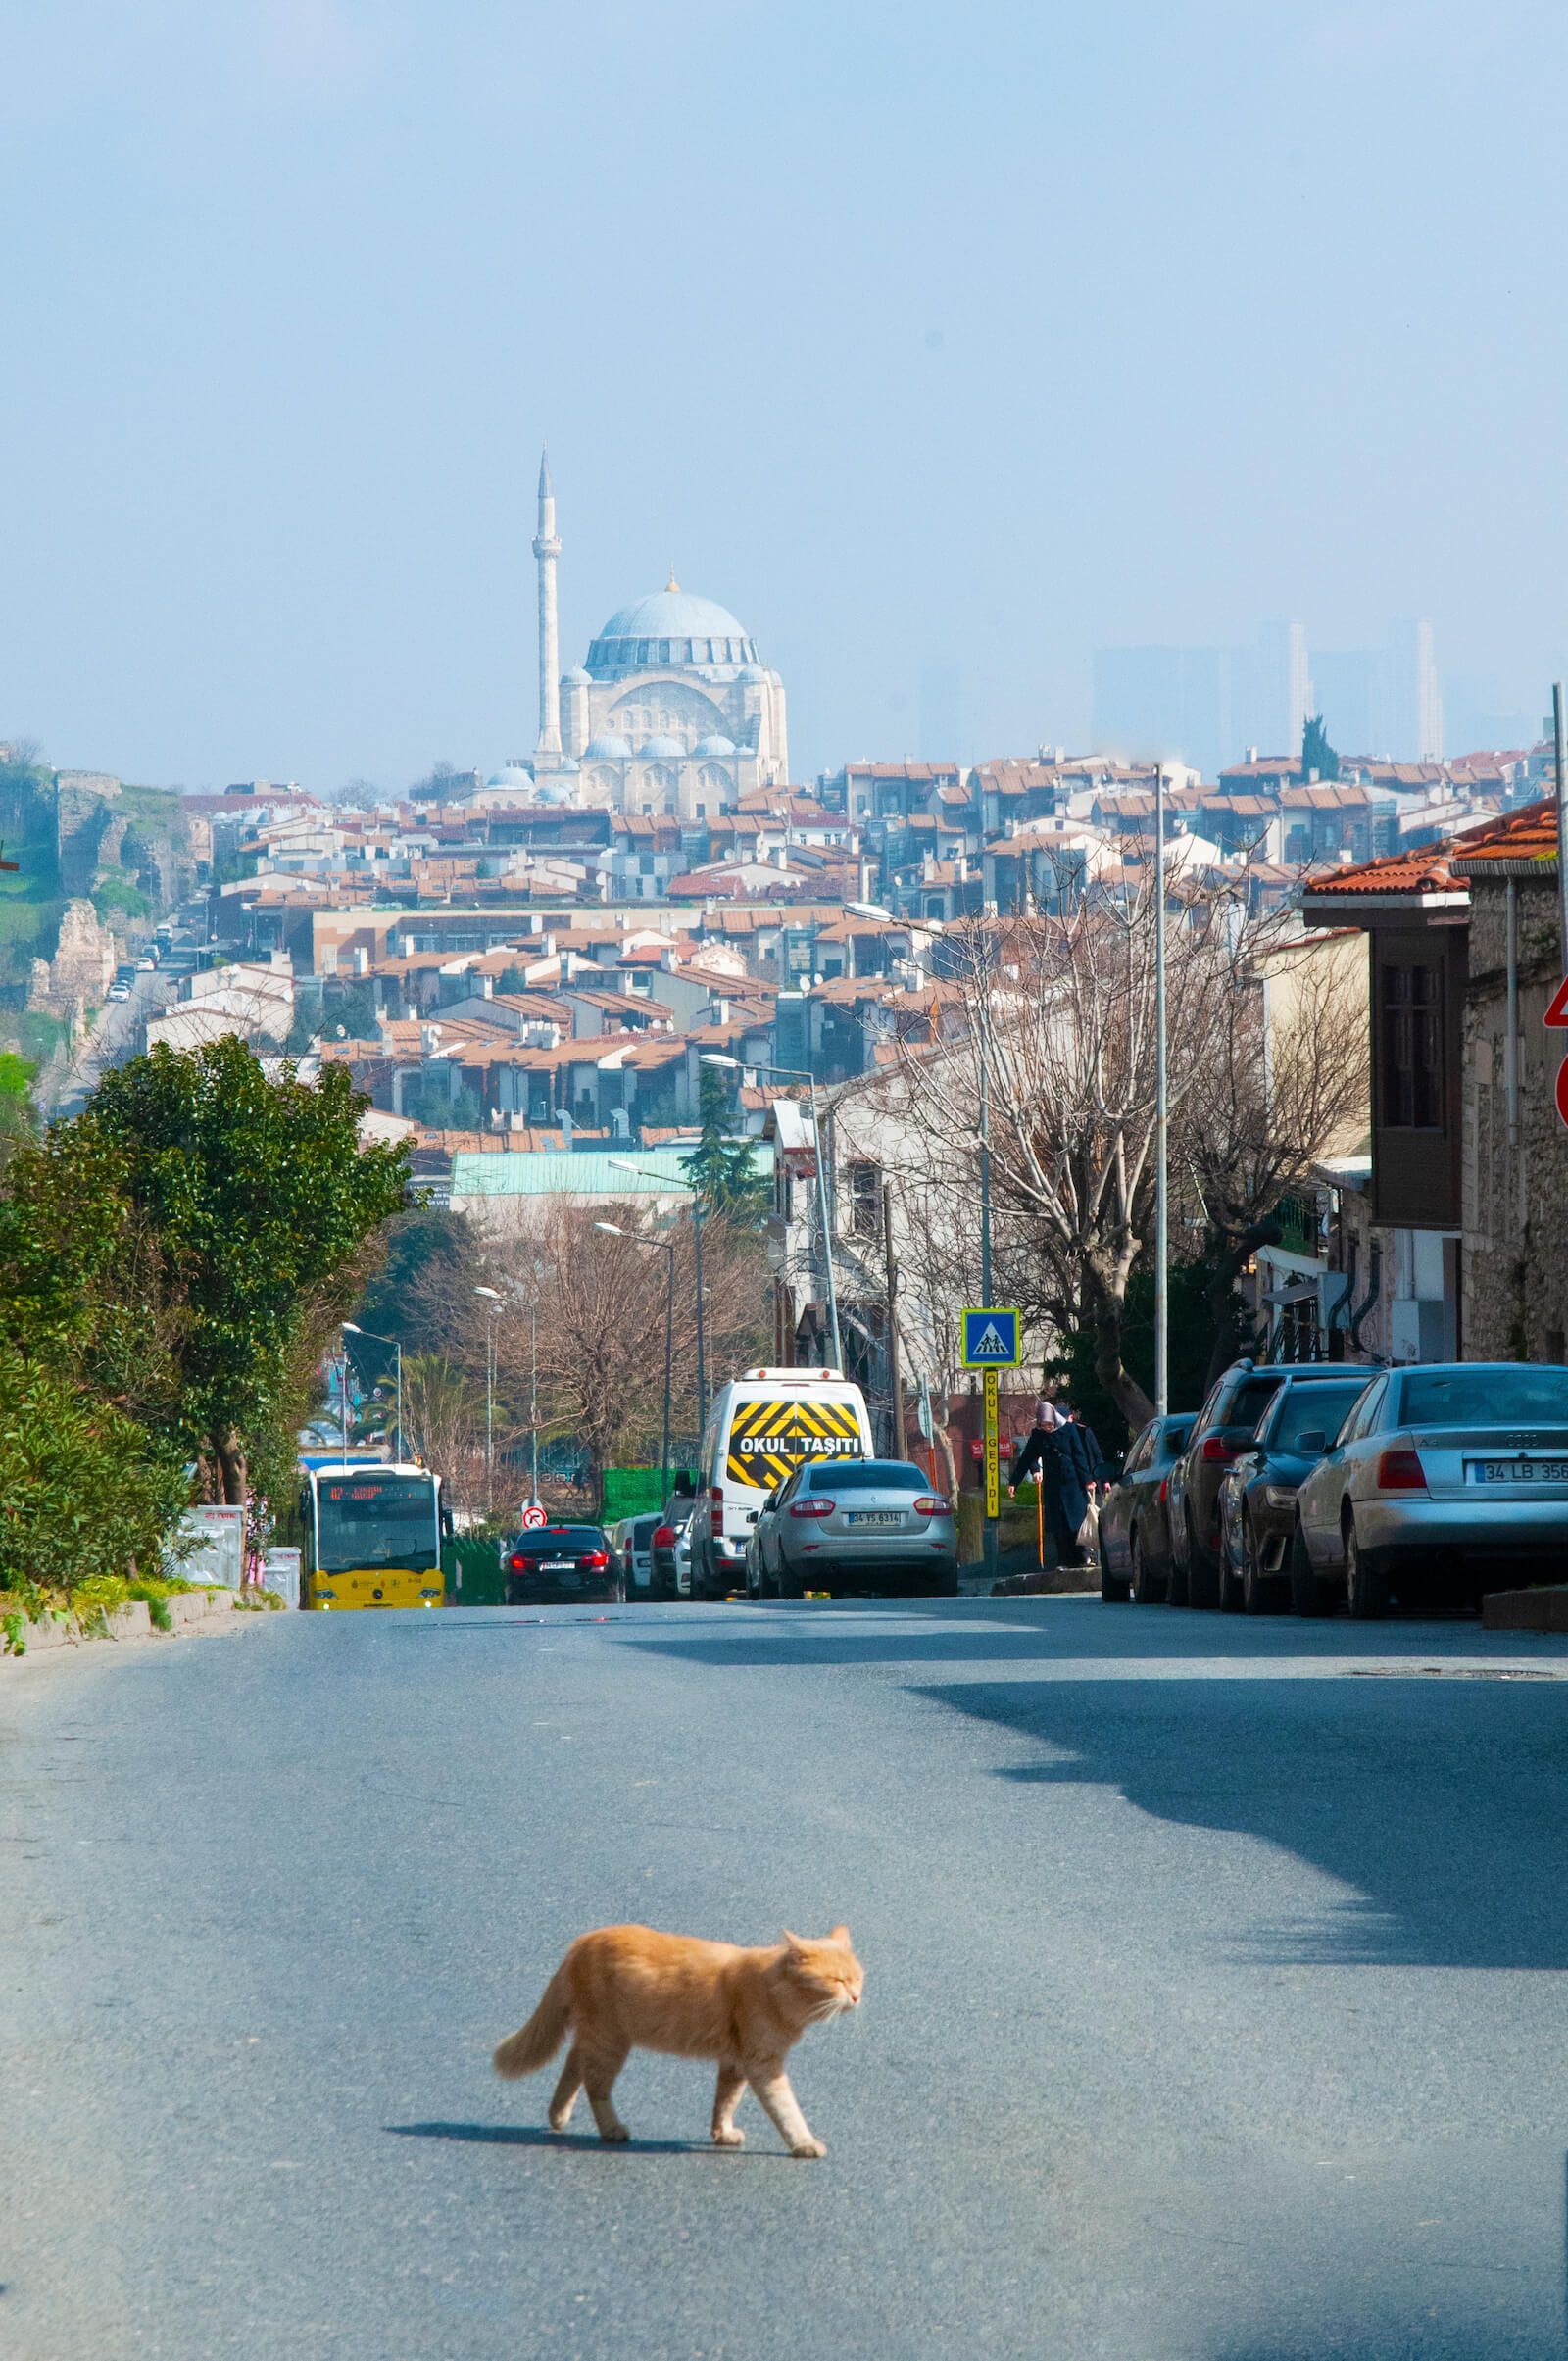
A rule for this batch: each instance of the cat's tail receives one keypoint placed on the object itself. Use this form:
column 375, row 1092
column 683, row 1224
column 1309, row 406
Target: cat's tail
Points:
column 535, row 2044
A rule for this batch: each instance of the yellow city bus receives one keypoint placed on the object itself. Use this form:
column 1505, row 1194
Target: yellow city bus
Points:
column 372, row 1536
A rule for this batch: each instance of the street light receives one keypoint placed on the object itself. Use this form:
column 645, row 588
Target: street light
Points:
column 1161, row 1118
column 660, row 1246
column 644, row 1173
column 493, row 1296
column 350, row 1328
column 802, row 1073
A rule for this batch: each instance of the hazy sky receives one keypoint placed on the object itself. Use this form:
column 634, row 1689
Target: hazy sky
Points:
column 942, row 343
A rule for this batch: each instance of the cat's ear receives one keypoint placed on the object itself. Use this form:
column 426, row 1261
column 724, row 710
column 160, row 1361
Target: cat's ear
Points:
column 793, row 1942
column 840, row 1933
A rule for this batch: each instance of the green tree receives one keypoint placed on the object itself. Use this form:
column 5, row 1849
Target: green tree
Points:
column 262, row 1202
column 511, row 979
column 1317, row 755
column 16, row 1075
column 722, row 1173
column 84, row 1490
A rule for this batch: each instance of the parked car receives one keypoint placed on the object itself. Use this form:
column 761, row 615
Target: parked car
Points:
column 117, row 992
column 1134, row 1526
column 145, row 965
column 1258, row 1492
column 1445, row 1474
column 553, row 1564
column 855, row 1525
column 673, row 1548
column 1225, row 1425
column 632, row 1541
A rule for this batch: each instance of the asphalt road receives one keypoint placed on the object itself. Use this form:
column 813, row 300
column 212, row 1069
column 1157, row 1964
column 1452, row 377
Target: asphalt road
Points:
column 1215, row 1999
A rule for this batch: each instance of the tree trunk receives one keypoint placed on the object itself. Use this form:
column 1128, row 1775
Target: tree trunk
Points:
column 1105, row 1288
column 1233, row 1249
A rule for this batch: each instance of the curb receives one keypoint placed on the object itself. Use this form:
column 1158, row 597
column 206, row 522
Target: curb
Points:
column 188, row 1610
column 1540, row 1610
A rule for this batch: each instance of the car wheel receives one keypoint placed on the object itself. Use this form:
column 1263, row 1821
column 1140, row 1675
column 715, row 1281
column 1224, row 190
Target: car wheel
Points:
column 1259, row 1594
column 1115, row 1589
column 1309, row 1595
column 1366, row 1585
column 1145, row 1588
column 1202, row 1572
column 1229, row 1577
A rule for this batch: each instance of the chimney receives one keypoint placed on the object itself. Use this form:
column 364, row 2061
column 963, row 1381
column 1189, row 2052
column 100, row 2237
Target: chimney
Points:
column 1252, row 753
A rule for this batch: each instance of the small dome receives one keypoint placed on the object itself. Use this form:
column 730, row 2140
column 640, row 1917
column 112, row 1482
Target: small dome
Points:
column 510, row 774
column 661, row 746
column 567, row 764
column 714, row 746
column 608, row 748
column 577, row 678
column 752, row 672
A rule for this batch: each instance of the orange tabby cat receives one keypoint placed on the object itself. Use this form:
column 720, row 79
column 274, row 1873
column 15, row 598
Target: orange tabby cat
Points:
column 621, row 1989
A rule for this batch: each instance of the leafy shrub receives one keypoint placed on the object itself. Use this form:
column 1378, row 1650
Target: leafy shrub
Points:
column 84, row 1491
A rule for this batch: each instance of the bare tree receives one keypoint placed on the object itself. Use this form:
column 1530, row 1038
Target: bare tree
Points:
column 1058, row 1032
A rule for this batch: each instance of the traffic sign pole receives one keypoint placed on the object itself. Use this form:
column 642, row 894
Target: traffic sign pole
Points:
column 993, row 1462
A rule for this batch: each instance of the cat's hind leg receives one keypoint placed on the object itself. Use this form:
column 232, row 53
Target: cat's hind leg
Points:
column 567, row 2090
column 772, row 2086
column 731, row 2082
column 600, row 2068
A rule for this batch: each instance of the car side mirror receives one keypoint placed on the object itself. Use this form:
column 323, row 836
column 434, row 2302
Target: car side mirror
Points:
column 1314, row 1441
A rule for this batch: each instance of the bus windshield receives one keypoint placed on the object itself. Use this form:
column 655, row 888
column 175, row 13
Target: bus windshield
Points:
column 377, row 1520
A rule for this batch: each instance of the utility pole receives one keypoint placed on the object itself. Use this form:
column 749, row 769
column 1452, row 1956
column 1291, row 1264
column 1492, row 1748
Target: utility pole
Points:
column 989, row 1528
column 1162, row 1123
column 702, row 1366
column 894, row 1379
column 533, row 1397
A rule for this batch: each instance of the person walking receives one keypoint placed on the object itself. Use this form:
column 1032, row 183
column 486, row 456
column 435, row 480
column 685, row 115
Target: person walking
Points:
column 1054, row 1447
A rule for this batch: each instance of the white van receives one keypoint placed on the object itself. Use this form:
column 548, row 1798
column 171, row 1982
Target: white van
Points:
column 761, row 1426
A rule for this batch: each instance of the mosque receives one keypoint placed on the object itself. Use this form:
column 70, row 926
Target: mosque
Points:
column 673, row 711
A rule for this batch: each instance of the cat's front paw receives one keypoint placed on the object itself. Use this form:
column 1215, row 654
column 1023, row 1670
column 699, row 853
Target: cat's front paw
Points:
column 728, row 2135
column 614, row 2132
column 807, row 2147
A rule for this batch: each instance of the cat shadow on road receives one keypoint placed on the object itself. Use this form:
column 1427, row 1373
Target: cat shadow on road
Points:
column 540, row 2136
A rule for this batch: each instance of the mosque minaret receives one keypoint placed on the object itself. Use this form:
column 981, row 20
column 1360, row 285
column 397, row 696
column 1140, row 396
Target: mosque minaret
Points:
column 673, row 711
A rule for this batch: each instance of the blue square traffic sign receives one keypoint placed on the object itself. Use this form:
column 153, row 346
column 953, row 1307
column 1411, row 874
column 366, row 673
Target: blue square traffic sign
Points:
column 990, row 1339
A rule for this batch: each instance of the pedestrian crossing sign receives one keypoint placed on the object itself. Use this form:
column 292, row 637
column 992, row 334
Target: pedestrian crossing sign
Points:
column 990, row 1339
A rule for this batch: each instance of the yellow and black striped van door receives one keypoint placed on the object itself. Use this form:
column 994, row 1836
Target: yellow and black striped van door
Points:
column 768, row 1439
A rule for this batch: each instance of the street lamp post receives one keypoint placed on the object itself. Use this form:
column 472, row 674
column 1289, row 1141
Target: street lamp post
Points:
column 662, row 1246
column 801, row 1073
column 492, row 1308
column 645, row 1172
column 1162, row 1123
column 350, row 1328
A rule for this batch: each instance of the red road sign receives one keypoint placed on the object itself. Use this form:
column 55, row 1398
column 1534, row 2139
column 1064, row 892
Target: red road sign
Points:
column 1558, row 1014
column 1562, row 1091
column 533, row 1516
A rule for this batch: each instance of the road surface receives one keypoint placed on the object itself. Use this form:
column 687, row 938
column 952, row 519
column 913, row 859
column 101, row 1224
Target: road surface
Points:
column 1214, row 2011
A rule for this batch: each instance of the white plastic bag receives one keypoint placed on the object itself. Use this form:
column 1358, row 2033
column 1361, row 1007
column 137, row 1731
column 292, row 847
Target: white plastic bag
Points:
column 1089, row 1530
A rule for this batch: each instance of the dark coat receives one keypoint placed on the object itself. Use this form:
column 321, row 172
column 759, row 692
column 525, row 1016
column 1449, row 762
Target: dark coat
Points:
column 1062, row 1455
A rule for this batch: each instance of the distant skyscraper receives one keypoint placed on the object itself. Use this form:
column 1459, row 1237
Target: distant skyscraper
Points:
column 1204, row 706
column 1415, row 699
column 1382, row 701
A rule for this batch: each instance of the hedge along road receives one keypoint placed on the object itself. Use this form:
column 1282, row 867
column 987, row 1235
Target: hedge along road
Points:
column 1214, row 2001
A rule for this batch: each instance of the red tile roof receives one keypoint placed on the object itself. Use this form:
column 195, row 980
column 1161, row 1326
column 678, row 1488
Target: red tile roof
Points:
column 1528, row 835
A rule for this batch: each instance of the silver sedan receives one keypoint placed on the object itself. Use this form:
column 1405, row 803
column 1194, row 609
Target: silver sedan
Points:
column 853, row 1525
column 1456, row 1470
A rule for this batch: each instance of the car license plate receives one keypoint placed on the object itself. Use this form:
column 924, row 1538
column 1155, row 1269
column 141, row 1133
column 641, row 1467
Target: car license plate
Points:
column 1517, row 1471
column 557, row 1565
column 873, row 1516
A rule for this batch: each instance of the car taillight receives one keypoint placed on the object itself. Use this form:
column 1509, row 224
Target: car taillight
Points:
column 664, row 1537
column 1216, row 1451
column 812, row 1507
column 1164, row 1489
column 716, row 1517
column 596, row 1558
column 929, row 1506
column 1401, row 1472
column 519, row 1565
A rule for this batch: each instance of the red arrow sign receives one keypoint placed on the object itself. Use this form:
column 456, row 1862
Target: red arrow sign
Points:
column 1558, row 1014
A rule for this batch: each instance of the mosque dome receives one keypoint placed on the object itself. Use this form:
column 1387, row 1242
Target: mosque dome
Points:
column 608, row 748
column 714, row 746
column 671, row 626
column 510, row 774
column 577, row 678
column 753, row 672
column 664, row 747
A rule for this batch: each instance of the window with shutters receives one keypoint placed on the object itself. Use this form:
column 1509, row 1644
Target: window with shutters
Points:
column 866, row 1200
